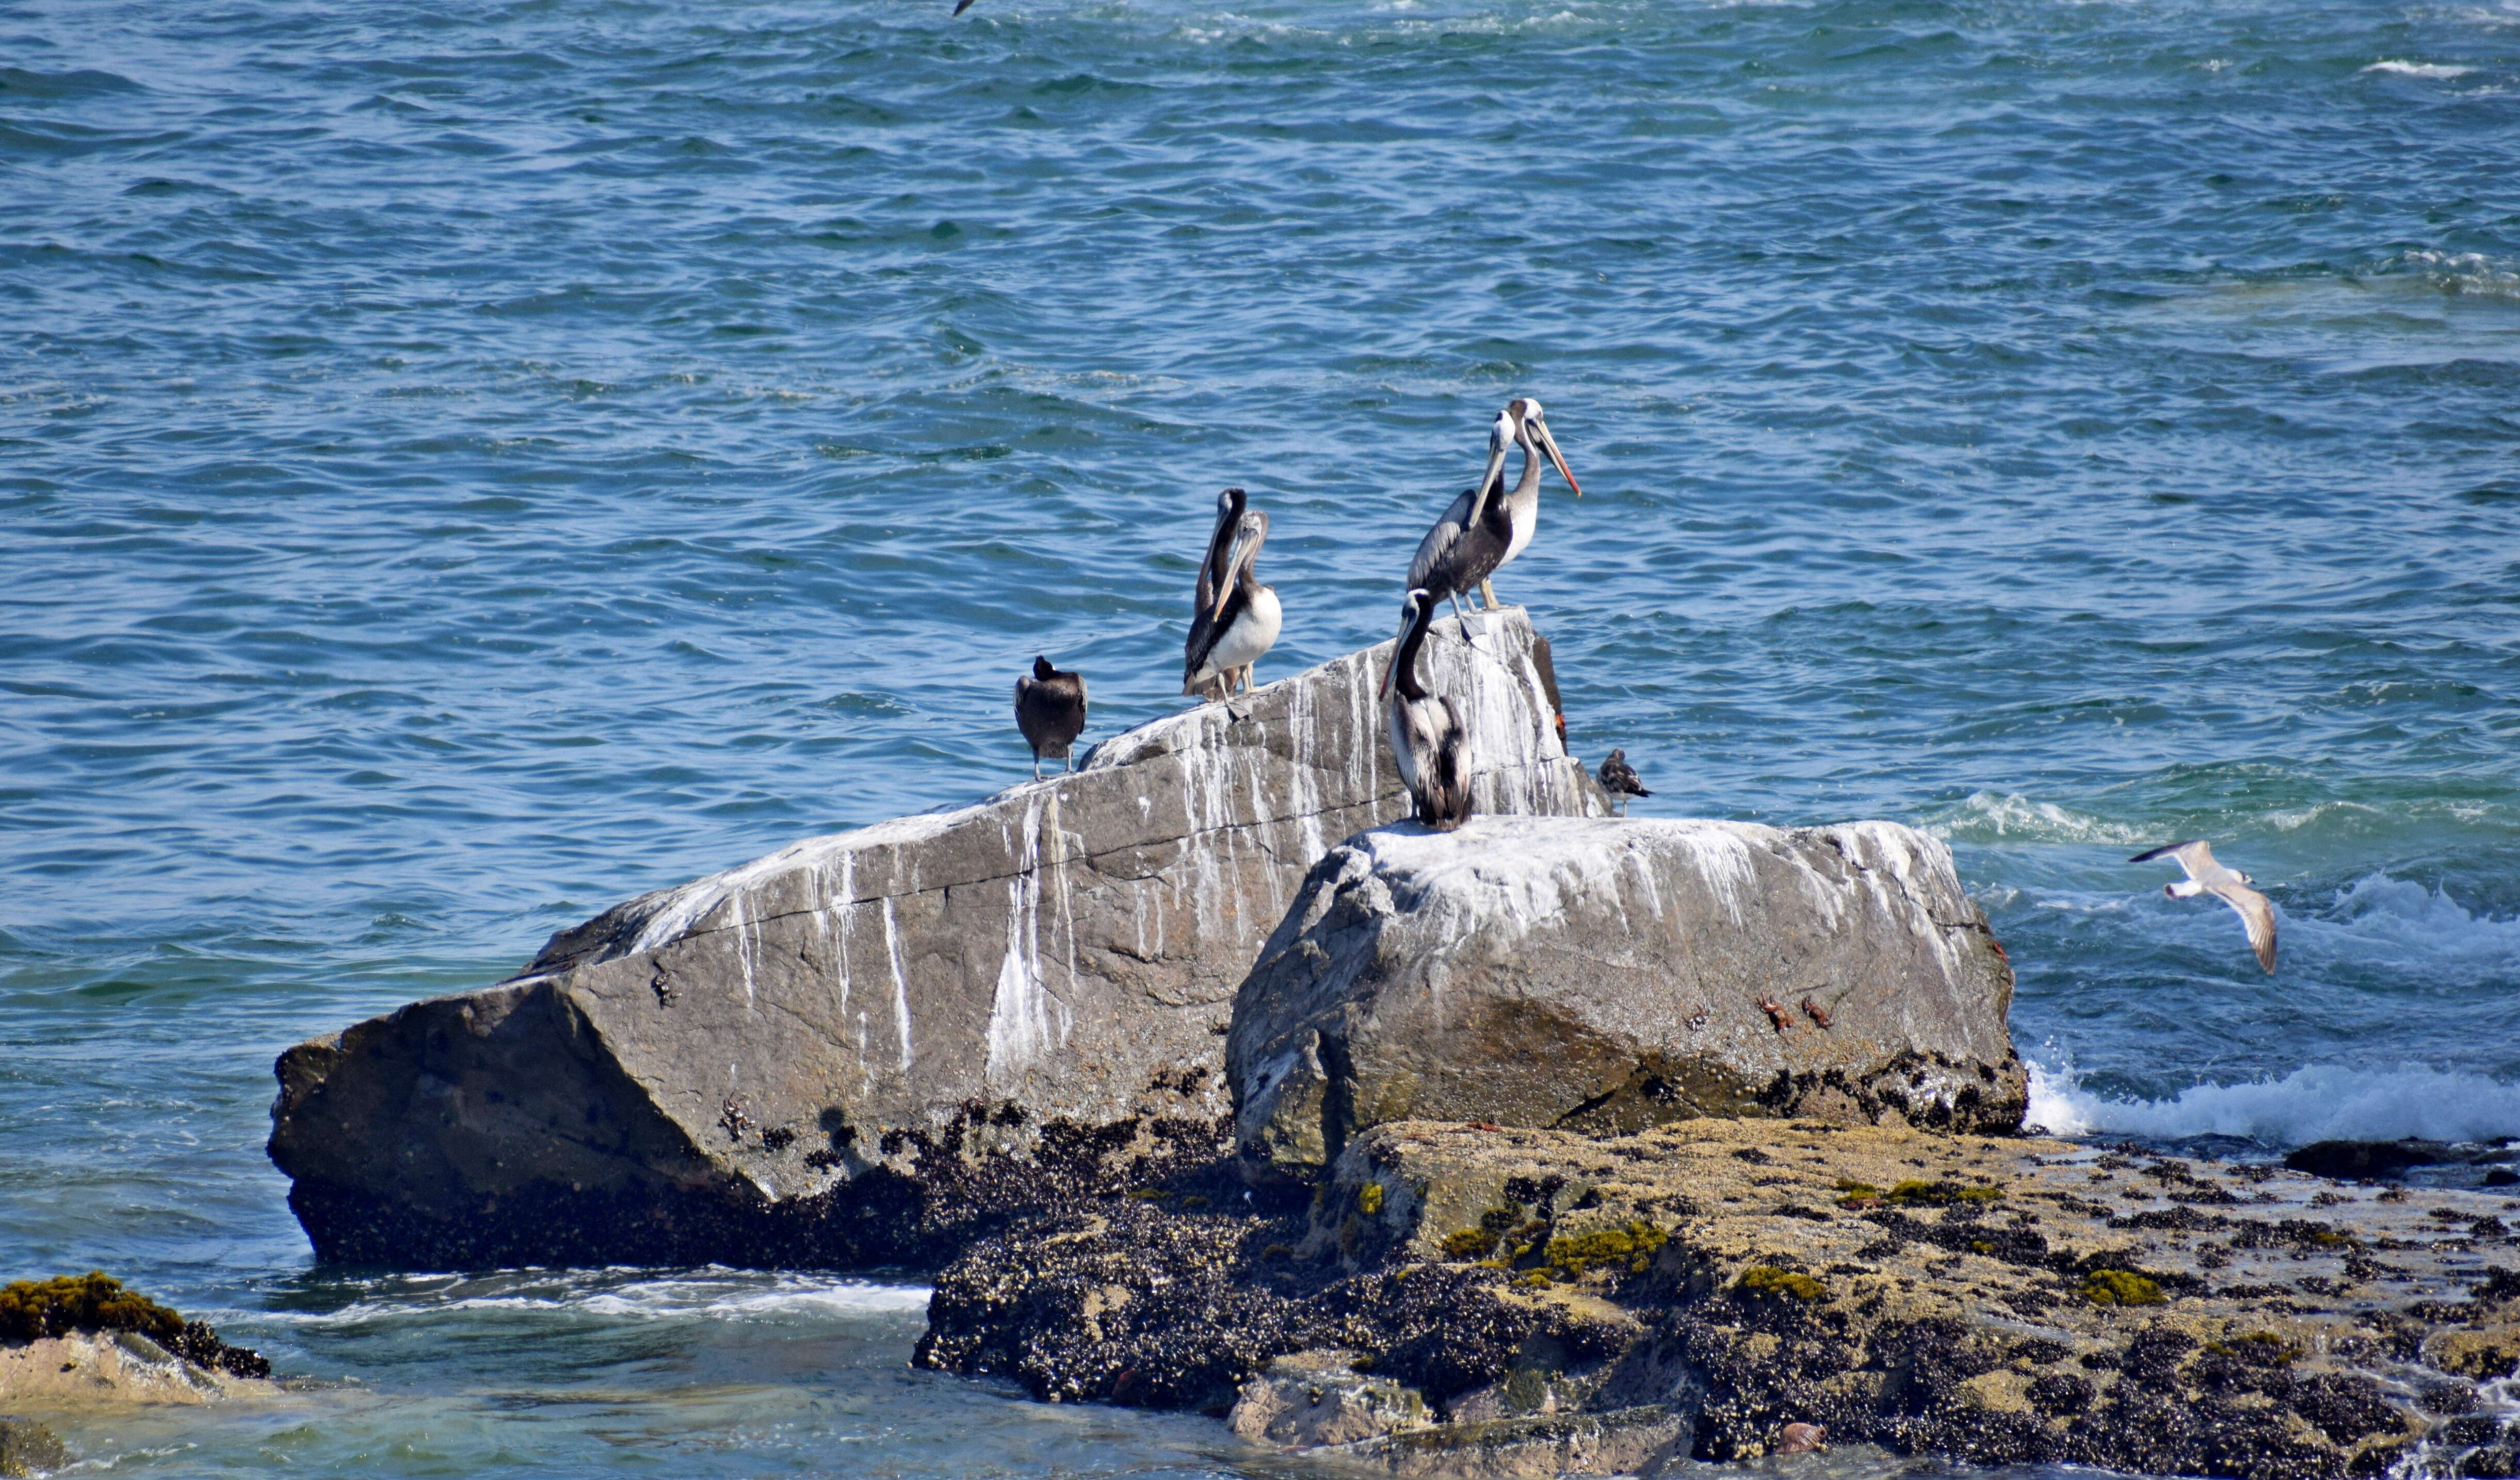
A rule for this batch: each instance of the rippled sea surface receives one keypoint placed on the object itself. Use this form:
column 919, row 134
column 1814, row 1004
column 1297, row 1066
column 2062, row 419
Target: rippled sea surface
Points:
column 462, row 464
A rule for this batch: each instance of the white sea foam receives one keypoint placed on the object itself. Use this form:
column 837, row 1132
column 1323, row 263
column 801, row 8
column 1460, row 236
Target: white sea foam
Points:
column 2465, row 271
column 2316, row 1103
column 1986, row 817
column 713, row 1294
column 2401, row 920
column 2438, row 71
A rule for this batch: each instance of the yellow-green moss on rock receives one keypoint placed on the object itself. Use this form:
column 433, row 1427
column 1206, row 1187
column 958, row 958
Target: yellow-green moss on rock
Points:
column 2121, row 1288
column 1915, row 1194
column 1369, row 1198
column 1771, row 1283
column 31, row 1309
column 1630, row 1247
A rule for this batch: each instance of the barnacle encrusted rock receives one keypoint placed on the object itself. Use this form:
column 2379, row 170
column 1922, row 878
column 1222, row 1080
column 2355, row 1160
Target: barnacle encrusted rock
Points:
column 1604, row 974
column 1526, row 1301
column 844, row 1051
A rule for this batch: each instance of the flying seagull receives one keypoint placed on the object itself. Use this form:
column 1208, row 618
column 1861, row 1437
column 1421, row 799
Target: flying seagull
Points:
column 2230, row 885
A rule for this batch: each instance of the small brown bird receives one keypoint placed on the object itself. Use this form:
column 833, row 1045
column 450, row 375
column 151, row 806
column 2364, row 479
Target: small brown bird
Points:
column 1619, row 778
column 2230, row 885
column 1802, row 1438
column 1050, row 710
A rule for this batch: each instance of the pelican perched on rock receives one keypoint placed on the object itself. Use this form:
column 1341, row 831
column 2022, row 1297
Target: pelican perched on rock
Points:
column 2230, row 885
column 1243, row 624
column 1487, row 527
column 1427, row 740
column 1211, row 577
column 1050, row 710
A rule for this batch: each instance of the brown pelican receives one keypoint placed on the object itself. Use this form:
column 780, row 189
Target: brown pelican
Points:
column 1620, row 780
column 1243, row 623
column 2230, row 885
column 1486, row 528
column 1211, row 576
column 1050, row 710
column 1427, row 740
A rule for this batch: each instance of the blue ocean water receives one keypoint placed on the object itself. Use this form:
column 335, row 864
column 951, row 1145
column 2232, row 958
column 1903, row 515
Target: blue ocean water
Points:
column 462, row 464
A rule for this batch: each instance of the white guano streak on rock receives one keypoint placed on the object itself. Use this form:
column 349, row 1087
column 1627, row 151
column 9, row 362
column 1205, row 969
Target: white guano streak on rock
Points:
column 747, row 945
column 1892, row 851
column 1304, row 758
column 840, row 911
column 900, row 982
column 1724, row 863
column 1019, row 1018
column 683, row 909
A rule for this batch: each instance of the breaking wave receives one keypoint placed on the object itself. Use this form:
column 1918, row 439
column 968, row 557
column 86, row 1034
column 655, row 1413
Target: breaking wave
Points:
column 2411, row 923
column 2316, row 1102
column 1988, row 817
column 714, row 1294
column 2438, row 71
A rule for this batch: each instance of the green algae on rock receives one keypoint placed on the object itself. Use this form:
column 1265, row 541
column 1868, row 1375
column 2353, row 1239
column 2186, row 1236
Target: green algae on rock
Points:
column 35, row 1310
column 2120, row 1287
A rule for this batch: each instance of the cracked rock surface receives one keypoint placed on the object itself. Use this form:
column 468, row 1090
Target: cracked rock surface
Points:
column 1464, row 1300
column 1604, row 974
column 861, row 1048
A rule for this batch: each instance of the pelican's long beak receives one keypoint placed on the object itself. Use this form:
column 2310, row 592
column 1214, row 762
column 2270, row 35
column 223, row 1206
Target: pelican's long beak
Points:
column 1235, row 557
column 1495, row 469
column 1548, row 444
column 1384, row 689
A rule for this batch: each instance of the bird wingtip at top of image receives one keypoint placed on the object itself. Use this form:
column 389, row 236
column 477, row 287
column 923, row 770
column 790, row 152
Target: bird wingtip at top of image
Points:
column 2207, row 875
column 960, row 5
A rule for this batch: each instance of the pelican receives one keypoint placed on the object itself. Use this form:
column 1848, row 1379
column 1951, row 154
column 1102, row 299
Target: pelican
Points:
column 2230, row 885
column 1050, row 710
column 1486, row 528
column 1243, row 623
column 1211, row 576
column 1427, row 740
column 1621, row 781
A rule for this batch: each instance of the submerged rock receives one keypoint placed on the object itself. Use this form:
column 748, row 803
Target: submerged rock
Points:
column 2390, row 1160
column 1606, row 974
column 1520, row 1301
column 28, row 1448
column 846, row 1051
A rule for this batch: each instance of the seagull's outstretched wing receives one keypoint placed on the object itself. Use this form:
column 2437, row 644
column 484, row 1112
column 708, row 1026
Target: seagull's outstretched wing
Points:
column 2257, row 912
column 960, row 5
column 2178, row 850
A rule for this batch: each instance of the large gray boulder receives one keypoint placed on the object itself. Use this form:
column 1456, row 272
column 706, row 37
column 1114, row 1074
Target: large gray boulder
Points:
column 1604, row 974
column 843, row 1052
